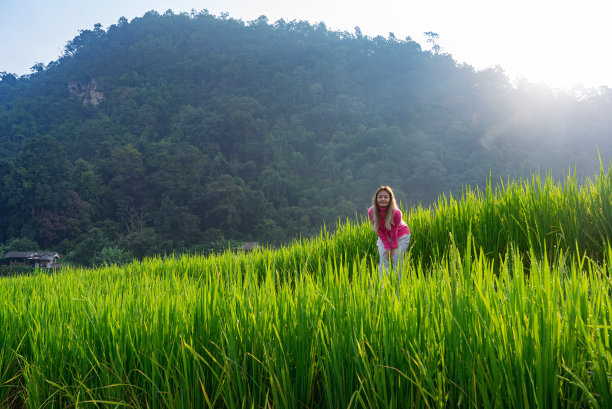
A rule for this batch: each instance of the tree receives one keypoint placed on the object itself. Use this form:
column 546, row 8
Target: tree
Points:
column 112, row 256
column 20, row 244
column 224, row 198
column 7, row 171
column 44, row 170
column 48, row 209
column 124, row 175
column 87, row 246
column 432, row 38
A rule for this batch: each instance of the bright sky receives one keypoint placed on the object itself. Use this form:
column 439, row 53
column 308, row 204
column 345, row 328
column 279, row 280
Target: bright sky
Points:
column 559, row 42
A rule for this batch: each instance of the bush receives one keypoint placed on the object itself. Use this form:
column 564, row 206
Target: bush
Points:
column 6, row 271
column 112, row 255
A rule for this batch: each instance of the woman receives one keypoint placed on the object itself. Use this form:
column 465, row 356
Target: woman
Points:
column 393, row 232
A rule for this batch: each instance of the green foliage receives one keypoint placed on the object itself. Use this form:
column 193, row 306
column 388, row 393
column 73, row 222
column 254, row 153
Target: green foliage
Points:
column 533, row 215
column 22, row 244
column 510, row 307
column 209, row 332
column 85, row 249
column 15, row 270
column 171, row 126
column 109, row 256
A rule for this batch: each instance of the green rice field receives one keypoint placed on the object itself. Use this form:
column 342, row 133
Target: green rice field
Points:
column 504, row 303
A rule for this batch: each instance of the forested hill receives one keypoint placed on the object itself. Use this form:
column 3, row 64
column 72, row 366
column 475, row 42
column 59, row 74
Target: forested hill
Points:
column 175, row 132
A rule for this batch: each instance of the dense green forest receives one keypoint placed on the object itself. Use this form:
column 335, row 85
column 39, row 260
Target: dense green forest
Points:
column 181, row 132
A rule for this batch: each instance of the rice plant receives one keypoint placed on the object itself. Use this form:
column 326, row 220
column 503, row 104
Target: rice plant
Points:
column 504, row 302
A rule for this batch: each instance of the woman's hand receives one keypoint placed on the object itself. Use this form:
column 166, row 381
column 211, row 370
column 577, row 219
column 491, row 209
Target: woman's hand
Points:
column 389, row 253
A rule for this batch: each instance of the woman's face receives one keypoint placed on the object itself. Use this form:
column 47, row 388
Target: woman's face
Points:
column 383, row 198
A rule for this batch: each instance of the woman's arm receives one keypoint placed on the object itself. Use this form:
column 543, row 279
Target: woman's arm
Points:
column 397, row 221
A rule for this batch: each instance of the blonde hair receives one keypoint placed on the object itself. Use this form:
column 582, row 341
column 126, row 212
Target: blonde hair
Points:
column 376, row 210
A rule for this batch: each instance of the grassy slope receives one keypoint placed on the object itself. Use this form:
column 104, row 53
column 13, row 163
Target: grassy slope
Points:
column 311, row 325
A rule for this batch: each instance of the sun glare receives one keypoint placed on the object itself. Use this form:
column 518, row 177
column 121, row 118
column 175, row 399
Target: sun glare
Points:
column 558, row 44
column 561, row 44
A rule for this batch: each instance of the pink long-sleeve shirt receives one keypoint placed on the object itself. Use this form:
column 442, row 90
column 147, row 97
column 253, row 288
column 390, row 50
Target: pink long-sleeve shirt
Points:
column 398, row 228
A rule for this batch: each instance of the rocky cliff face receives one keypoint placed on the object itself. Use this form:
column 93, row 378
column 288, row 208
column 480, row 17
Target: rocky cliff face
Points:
column 88, row 93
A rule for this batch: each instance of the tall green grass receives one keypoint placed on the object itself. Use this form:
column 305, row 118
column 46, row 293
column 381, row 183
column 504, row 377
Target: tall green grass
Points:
column 504, row 302
column 536, row 214
column 460, row 334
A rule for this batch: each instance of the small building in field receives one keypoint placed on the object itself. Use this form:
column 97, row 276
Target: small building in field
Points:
column 37, row 259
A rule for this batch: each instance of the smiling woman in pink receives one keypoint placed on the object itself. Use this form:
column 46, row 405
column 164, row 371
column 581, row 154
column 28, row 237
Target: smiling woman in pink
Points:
column 393, row 232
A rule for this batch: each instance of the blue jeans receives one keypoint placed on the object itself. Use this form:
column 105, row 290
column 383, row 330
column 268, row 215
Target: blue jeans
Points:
column 397, row 258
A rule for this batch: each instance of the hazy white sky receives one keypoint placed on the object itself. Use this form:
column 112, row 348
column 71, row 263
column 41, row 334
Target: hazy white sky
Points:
column 563, row 43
